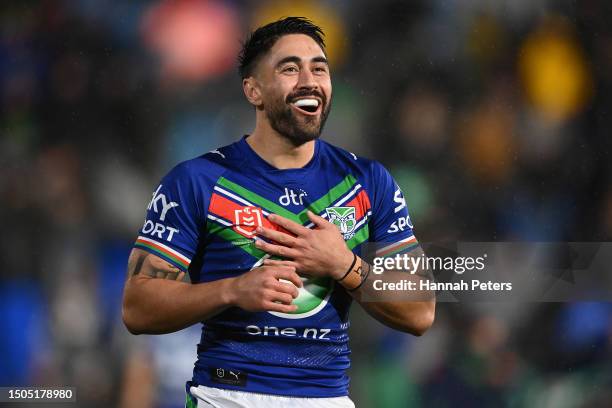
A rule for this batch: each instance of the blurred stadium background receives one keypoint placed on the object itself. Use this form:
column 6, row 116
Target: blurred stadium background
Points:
column 494, row 116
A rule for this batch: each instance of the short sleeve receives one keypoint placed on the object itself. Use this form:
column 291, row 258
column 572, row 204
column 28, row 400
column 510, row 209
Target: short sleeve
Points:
column 173, row 222
column 391, row 226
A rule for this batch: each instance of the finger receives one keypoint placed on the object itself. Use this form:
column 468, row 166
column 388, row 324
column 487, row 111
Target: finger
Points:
column 287, row 224
column 278, row 250
column 278, row 262
column 289, row 275
column 260, row 261
column 317, row 220
column 279, row 307
column 280, row 237
column 180, row 276
column 288, row 288
column 282, row 297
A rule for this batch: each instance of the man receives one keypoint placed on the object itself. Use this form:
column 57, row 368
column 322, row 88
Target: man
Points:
column 271, row 228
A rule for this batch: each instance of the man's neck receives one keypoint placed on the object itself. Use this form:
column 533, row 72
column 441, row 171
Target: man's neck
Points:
column 278, row 151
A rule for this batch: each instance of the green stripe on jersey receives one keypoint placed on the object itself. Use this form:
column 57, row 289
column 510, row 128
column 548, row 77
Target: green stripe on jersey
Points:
column 189, row 403
column 246, row 244
column 332, row 195
column 257, row 199
column 317, row 207
column 360, row 237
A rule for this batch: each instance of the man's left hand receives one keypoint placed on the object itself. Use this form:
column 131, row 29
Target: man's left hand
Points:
column 320, row 251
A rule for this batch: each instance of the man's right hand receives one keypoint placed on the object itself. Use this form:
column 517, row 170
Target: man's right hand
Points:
column 261, row 289
column 156, row 301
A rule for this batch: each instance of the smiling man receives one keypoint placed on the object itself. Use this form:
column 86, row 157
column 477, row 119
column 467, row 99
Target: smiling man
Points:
column 270, row 230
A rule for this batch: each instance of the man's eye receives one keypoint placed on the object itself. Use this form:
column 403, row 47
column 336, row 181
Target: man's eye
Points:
column 290, row 69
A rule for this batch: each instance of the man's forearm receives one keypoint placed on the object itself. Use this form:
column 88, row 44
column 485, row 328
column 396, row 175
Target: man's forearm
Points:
column 411, row 317
column 157, row 306
column 156, row 301
column 411, row 312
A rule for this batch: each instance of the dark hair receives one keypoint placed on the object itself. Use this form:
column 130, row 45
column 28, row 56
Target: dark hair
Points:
column 261, row 40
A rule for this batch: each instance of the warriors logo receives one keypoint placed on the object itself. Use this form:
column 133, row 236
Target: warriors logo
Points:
column 344, row 219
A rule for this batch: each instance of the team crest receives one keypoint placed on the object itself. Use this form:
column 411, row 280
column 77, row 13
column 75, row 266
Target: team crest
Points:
column 344, row 219
column 247, row 220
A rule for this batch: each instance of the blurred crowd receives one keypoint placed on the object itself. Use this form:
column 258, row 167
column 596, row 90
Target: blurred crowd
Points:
column 494, row 117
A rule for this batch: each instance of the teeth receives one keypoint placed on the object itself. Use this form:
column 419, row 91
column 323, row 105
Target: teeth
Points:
column 307, row 102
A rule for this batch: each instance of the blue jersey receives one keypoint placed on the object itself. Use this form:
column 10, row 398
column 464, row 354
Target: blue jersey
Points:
column 202, row 219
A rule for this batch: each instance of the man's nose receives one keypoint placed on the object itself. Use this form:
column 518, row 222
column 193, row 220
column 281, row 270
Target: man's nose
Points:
column 307, row 80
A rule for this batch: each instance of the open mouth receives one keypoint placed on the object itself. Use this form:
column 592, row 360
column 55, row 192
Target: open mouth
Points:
column 308, row 106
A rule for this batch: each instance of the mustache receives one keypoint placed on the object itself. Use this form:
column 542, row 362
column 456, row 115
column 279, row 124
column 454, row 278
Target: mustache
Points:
column 300, row 94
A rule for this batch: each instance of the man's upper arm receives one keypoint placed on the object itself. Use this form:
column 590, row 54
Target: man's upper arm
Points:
column 172, row 228
column 143, row 263
column 392, row 229
column 171, row 231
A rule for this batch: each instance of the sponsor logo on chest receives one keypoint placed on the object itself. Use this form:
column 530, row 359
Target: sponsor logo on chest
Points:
column 290, row 197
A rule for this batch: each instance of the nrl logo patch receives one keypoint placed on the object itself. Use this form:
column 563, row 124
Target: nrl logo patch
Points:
column 344, row 219
column 247, row 220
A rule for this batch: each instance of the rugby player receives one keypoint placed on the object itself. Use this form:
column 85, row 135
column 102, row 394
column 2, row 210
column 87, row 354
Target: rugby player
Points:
column 269, row 231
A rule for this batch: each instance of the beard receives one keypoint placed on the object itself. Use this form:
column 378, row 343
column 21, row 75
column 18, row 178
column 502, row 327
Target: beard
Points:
column 298, row 129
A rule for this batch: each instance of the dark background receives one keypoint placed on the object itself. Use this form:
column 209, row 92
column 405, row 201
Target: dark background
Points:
column 494, row 117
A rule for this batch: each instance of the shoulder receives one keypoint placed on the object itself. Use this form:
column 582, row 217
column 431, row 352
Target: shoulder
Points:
column 208, row 167
column 363, row 166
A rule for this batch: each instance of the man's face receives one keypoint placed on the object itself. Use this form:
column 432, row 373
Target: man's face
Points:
column 296, row 87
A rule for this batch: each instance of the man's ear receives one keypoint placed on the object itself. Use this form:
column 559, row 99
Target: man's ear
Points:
column 252, row 91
